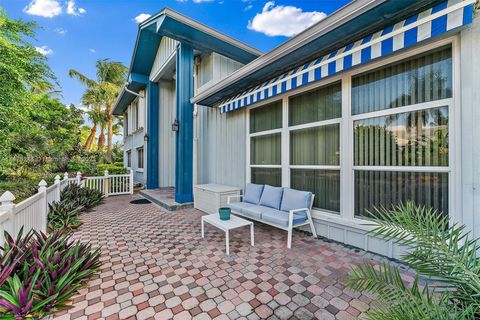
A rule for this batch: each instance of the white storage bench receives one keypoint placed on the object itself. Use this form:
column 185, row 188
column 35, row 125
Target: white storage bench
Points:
column 210, row 197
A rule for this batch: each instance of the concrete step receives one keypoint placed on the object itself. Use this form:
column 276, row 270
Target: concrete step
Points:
column 165, row 200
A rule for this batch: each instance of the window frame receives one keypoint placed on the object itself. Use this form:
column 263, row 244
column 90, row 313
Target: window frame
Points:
column 129, row 158
column 260, row 134
column 142, row 158
column 347, row 215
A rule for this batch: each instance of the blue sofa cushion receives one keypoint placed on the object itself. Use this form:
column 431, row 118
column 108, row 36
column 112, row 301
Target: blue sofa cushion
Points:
column 295, row 199
column 239, row 206
column 253, row 211
column 271, row 197
column 253, row 192
column 280, row 218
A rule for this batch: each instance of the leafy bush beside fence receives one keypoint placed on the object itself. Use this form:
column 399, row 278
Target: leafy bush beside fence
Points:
column 40, row 273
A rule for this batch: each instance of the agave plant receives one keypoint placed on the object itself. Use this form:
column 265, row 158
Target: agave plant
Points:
column 40, row 273
column 443, row 255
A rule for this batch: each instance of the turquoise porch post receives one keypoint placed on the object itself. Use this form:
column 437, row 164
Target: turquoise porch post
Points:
column 184, row 141
column 152, row 133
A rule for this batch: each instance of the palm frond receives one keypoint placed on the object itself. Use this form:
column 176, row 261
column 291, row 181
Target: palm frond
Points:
column 437, row 250
column 89, row 83
column 396, row 300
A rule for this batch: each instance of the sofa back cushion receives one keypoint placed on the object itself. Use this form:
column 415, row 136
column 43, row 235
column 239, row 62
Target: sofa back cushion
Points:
column 271, row 197
column 295, row 199
column 253, row 192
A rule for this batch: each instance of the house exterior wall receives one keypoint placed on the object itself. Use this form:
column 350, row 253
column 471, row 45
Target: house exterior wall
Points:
column 165, row 51
column 133, row 137
column 220, row 140
column 166, row 144
column 213, row 68
column 470, row 118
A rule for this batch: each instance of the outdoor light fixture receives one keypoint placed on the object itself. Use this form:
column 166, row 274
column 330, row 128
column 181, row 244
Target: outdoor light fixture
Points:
column 175, row 126
column 145, row 138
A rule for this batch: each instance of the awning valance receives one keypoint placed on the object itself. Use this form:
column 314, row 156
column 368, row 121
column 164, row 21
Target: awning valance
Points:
column 430, row 23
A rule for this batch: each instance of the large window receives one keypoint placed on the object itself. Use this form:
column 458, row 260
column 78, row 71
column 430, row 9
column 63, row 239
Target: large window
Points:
column 403, row 155
column 266, row 144
column 391, row 143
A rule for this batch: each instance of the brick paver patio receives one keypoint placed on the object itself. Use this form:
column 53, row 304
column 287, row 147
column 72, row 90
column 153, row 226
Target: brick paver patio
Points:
column 157, row 266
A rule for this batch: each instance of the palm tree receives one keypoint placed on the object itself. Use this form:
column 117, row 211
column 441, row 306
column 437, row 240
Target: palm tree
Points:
column 96, row 116
column 103, row 91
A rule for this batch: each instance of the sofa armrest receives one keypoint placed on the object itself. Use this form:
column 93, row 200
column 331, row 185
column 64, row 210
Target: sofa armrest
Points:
column 298, row 210
column 239, row 196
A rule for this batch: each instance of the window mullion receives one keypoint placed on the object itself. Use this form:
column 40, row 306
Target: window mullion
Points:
column 285, row 145
column 347, row 196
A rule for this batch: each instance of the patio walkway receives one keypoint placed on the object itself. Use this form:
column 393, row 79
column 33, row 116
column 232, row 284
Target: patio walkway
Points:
column 157, row 266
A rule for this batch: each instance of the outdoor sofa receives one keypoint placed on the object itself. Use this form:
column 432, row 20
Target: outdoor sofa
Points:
column 283, row 208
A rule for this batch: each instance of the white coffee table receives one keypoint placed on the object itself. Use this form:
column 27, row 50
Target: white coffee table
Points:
column 227, row 225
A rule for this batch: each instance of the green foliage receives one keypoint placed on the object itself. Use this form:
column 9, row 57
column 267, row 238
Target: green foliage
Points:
column 442, row 253
column 38, row 133
column 40, row 273
column 81, row 198
column 112, row 169
column 25, row 184
column 23, row 72
column 83, row 164
column 63, row 215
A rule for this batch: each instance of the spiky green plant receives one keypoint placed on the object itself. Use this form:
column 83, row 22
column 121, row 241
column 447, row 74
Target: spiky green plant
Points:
column 39, row 273
column 442, row 254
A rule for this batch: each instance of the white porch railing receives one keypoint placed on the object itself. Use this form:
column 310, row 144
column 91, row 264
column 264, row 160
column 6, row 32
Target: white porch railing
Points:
column 32, row 213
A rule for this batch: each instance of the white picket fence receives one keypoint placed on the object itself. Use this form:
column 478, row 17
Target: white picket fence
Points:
column 32, row 213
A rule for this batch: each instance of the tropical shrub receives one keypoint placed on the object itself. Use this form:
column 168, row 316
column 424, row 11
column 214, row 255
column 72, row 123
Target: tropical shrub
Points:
column 83, row 164
column 112, row 169
column 40, row 273
column 442, row 254
column 81, row 198
column 63, row 215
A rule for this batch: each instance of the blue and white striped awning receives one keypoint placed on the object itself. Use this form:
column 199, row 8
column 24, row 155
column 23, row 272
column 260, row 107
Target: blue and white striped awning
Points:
column 430, row 23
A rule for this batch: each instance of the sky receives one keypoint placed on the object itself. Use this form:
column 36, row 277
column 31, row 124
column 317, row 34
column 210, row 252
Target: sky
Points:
column 74, row 34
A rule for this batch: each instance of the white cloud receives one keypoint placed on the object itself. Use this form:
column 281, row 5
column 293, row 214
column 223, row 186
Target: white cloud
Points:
column 60, row 31
column 283, row 20
column 73, row 10
column 200, row 1
column 142, row 17
column 44, row 8
column 44, row 50
column 248, row 7
column 92, row 50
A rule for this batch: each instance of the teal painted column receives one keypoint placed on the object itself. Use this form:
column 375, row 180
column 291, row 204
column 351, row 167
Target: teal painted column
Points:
column 184, row 141
column 152, row 133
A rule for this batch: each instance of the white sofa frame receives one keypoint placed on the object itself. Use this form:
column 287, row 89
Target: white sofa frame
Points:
column 290, row 226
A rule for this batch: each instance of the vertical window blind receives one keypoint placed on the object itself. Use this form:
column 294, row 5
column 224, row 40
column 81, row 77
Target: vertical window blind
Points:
column 405, row 140
column 317, row 145
column 317, row 105
column 266, row 149
column 421, row 79
column 417, row 138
